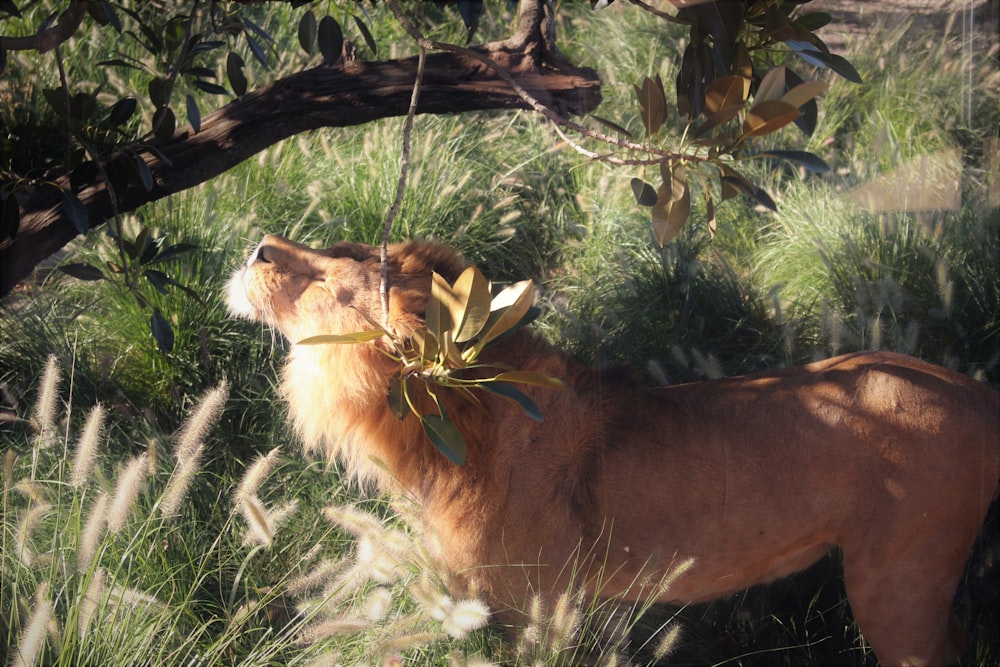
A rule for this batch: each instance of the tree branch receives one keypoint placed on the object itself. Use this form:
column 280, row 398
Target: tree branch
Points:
column 354, row 94
column 49, row 39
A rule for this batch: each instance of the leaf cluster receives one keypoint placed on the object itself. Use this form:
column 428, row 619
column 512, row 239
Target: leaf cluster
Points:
column 734, row 89
column 460, row 321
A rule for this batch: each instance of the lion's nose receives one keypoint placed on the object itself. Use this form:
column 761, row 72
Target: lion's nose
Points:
column 267, row 250
column 260, row 254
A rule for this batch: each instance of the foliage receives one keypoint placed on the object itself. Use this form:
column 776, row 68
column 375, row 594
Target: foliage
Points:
column 733, row 89
column 460, row 321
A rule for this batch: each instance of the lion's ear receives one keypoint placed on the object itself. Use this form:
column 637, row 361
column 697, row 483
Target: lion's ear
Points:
column 422, row 257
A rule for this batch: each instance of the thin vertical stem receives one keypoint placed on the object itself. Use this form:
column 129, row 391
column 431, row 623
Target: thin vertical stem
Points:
column 400, row 188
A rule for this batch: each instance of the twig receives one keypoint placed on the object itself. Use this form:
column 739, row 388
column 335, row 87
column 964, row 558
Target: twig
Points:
column 530, row 99
column 404, row 167
column 656, row 12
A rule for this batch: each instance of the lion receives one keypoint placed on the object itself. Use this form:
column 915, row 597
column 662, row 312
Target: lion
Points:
column 891, row 459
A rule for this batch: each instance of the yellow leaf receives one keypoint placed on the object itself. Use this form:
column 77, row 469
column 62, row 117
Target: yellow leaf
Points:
column 508, row 308
column 767, row 117
column 471, row 306
column 771, row 87
column 673, row 206
column 437, row 316
column 652, row 103
column 804, row 92
column 357, row 337
column 726, row 91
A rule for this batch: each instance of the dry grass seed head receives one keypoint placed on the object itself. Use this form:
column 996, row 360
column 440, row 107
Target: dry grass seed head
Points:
column 255, row 475
column 320, row 573
column 466, row 616
column 332, row 627
column 255, row 515
column 25, row 527
column 92, row 531
column 130, row 483
column 198, row 423
column 44, row 416
column 180, row 481
column 90, row 601
column 667, row 641
column 29, row 644
column 86, row 447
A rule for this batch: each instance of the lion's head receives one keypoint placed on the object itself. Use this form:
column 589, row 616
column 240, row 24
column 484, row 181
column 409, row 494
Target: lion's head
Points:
column 304, row 292
column 332, row 390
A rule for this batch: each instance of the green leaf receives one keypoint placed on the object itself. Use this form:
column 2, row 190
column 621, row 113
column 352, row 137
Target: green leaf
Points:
column 366, row 34
column 734, row 182
column 613, row 126
column 810, row 161
column 356, row 337
column 164, row 124
column 75, row 211
column 470, row 306
column 56, row 98
column 159, row 92
column 194, row 116
column 209, row 87
column 644, row 193
column 122, row 111
column 173, row 33
column 112, row 16
column 844, row 68
column 145, row 175
column 514, row 395
column 256, row 49
column 532, row 378
column 82, row 271
column 396, row 397
column 446, row 437
column 814, row 21
column 158, row 280
column 234, row 70
column 331, row 40
column 162, row 332
column 307, row 32
column 710, row 216
column 172, row 251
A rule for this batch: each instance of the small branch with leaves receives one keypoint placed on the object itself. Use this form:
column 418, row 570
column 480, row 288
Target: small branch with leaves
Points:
column 461, row 320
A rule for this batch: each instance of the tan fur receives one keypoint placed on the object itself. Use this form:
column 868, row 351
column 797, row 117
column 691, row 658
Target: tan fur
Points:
column 892, row 459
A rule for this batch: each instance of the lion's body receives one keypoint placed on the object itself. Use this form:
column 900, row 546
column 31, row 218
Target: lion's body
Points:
column 891, row 459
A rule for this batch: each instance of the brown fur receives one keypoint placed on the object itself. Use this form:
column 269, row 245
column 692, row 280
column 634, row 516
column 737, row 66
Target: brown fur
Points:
column 892, row 459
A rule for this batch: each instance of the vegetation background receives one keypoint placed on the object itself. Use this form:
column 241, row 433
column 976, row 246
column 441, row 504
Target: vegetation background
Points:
column 114, row 552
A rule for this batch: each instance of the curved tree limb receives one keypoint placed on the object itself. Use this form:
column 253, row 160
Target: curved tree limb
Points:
column 50, row 38
column 356, row 93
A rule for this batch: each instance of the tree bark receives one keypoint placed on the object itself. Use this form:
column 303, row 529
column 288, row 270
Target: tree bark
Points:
column 351, row 94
